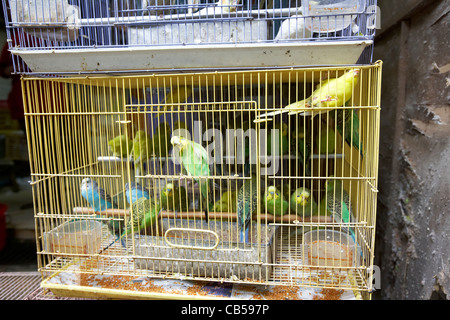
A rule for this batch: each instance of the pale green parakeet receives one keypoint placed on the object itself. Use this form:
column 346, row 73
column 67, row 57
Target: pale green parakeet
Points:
column 303, row 203
column 274, row 201
column 120, row 146
column 174, row 198
column 195, row 161
column 247, row 203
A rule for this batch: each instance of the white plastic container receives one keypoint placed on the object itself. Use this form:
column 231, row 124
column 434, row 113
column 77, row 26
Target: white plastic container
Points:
column 328, row 248
column 332, row 15
column 76, row 237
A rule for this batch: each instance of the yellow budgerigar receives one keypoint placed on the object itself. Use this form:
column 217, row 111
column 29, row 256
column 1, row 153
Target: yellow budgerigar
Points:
column 120, row 146
column 331, row 93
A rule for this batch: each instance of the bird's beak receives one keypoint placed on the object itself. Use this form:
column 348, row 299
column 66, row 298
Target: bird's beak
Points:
column 302, row 200
column 175, row 141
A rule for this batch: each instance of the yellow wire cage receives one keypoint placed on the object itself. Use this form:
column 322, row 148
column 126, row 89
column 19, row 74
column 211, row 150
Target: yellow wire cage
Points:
column 104, row 158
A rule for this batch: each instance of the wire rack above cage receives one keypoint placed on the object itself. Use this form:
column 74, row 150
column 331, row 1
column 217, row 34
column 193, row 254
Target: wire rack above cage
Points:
column 75, row 36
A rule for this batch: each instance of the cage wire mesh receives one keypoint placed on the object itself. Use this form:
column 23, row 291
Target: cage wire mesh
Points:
column 206, row 176
column 92, row 35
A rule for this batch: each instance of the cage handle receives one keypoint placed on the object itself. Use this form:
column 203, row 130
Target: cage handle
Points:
column 173, row 245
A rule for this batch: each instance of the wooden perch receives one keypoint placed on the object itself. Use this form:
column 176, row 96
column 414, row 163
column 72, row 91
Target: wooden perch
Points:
column 287, row 218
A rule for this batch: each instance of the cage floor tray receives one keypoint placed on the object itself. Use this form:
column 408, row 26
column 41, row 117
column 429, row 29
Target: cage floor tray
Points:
column 159, row 58
column 132, row 287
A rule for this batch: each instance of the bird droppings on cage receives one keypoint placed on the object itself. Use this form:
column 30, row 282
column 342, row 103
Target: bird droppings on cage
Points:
column 199, row 289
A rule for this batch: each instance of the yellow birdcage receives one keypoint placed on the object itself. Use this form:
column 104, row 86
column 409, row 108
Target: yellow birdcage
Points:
column 93, row 139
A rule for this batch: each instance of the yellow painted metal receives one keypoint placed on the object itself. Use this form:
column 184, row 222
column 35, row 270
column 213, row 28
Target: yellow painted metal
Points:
column 70, row 121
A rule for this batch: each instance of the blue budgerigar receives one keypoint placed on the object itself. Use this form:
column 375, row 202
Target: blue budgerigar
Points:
column 247, row 200
column 99, row 200
column 135, row 191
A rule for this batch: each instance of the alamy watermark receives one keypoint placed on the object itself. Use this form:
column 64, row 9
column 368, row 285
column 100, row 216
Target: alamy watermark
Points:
column 236, row 146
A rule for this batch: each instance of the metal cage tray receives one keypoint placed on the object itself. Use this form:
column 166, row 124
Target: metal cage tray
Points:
column 199, row 255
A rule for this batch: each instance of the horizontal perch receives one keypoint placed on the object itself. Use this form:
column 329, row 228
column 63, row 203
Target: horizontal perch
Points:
column 288, row 218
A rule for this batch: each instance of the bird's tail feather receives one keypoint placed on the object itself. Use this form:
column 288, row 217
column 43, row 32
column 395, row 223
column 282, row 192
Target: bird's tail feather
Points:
column 272, row 114
column 244, row 234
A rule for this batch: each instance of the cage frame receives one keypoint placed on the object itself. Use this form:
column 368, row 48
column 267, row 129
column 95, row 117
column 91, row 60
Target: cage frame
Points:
column 361, row 289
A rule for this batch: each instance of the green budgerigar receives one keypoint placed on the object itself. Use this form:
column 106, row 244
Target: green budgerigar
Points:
column 120, row 146
column 144, row 214
column 174, row 198
column 226, row 203
column 302, row 202
column 338, row 203
column 247, row 203
column 141, row 150
column 274, row 201
column 195, row 161
column 160, row 141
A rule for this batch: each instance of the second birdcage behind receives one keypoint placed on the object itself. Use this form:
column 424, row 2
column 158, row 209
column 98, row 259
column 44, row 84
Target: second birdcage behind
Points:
column 200, row 177
column 80, row 36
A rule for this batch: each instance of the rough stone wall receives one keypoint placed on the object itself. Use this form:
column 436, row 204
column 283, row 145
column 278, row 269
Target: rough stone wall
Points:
column 413, row 223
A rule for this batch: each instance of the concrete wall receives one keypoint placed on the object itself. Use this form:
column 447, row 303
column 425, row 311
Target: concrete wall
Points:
column 413, row 225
